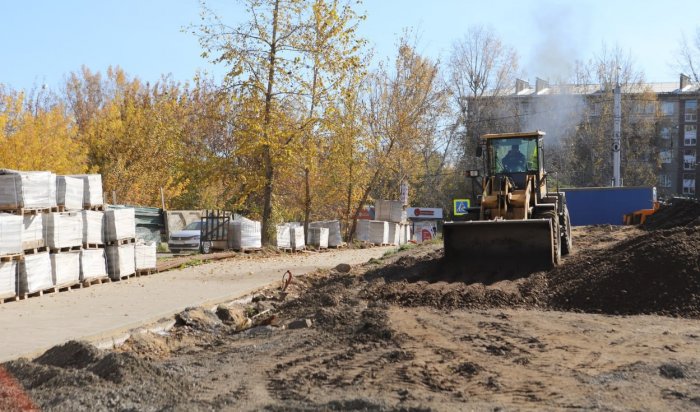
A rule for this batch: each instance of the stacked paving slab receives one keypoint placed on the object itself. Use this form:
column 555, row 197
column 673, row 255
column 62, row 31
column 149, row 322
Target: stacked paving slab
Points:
column 290, row 237
column 390, row 226
column 55, row 234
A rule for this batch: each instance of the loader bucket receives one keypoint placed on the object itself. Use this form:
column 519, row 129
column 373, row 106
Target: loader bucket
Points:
column 508, row 247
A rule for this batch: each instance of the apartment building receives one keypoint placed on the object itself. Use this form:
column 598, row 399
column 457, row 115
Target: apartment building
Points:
column 673, row 108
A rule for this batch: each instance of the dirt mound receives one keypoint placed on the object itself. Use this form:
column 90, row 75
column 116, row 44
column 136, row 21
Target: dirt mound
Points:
column 424, row 281
column 657, row 272
column 72, row 354
column 198, row 318
column 680, row 212
column 76, row 376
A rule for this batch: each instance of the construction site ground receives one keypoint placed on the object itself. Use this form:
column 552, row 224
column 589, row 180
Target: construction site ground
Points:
column 108, row 311
column 615, row 327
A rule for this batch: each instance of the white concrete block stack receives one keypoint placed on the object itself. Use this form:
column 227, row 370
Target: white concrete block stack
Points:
column 120, row 224
column 121, row 261
column 145, row 256
column 362, row 230
column 378, row 232
column 27, row 190
column 65, row 268
column 92, row 190
column 10, row 234
column 64, row 237
column 246, row 234
column 35, row 273
column 63, row 230
column 93, row 228
column 120, row 235
column 394, row 214
column 69, row 192
column 34, row 227
column 284, row 237
column 297, row 236
column 390, row 211
column 394, row 233
column 335, row 238
column 8, row 279
column 33, row 232
column 318, row 237
column 93, row 264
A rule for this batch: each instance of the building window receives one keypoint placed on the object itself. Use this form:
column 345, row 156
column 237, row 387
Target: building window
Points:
column 689, row 159
column 691, row 110
column 668, row 108
column 691, row 135
column 665, row 156
column 525, row 108
column 665, row 133
column 664, row 180
column 688, row 184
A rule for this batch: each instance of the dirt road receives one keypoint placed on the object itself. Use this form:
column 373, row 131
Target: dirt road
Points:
column 103, row 311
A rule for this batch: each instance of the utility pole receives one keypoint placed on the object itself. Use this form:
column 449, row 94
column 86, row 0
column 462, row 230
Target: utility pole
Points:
column 617, row 119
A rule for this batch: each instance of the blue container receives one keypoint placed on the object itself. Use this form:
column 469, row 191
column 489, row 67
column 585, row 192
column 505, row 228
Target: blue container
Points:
column 606, row 205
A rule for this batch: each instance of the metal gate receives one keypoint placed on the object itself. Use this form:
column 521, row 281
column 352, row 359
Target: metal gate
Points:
column 214, row 230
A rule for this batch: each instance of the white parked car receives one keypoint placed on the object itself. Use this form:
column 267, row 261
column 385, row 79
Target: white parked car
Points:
column 186, row 239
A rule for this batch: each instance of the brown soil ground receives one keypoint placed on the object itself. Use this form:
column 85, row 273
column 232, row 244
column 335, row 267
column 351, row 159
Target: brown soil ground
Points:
column 394, row 335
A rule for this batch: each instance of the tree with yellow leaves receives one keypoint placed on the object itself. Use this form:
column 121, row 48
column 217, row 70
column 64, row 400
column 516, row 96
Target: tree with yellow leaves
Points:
column 38, row 137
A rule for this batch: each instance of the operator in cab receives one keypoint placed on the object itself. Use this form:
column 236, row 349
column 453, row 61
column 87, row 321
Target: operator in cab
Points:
column 514, row 160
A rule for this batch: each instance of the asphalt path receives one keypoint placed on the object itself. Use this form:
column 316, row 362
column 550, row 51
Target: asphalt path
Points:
column 100, row 312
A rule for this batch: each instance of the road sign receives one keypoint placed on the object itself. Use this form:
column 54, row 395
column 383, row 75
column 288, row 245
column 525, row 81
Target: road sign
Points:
column 424, row 213
column 461, row 207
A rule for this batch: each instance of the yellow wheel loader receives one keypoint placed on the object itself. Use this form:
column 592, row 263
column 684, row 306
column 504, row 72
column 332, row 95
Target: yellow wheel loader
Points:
column 520, row 225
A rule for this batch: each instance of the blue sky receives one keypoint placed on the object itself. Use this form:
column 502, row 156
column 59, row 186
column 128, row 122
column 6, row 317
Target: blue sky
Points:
column 45, row 40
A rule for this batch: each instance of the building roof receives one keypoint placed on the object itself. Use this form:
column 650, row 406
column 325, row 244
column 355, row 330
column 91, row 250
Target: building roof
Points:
column 591, row 89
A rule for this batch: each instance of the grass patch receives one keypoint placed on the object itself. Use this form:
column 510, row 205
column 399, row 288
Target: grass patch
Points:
column 191, row 263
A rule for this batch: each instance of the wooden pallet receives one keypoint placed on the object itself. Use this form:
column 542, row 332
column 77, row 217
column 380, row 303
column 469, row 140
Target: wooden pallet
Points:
column 121, row 242
column 42, row 292
column 248, row 250
column 10, row 258
column 146, row 272
column 67, row 287
column 125, row 277
column 25, row 211
column 66, row 249
column 36, row 250
column 93, row 246
column 94, row 208
column 96, row 281
column 340, row 246
column 9, row 298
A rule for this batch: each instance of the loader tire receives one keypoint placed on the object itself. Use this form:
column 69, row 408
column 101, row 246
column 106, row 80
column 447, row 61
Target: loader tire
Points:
column 552, row 215
column 566, row 241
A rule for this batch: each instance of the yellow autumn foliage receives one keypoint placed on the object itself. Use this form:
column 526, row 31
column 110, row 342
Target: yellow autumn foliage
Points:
column 41, row 140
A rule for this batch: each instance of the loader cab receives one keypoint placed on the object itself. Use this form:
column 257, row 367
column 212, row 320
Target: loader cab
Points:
column 515, row 155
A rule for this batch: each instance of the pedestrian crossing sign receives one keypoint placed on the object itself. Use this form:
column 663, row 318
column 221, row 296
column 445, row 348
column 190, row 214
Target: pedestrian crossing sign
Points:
column 461, row 207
